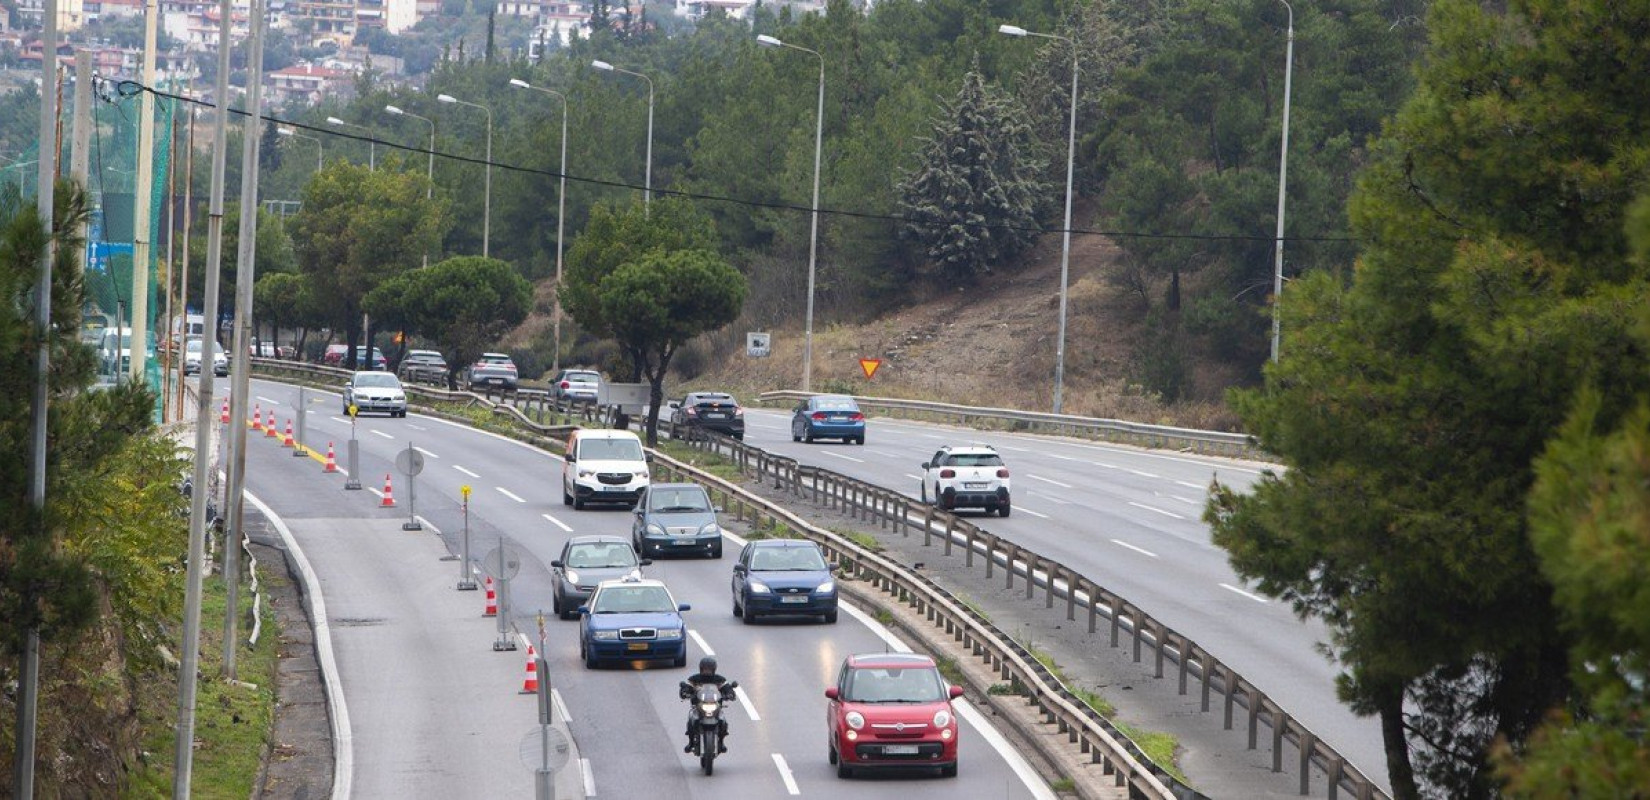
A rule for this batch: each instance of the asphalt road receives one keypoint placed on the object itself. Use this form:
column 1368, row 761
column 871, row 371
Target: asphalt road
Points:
column 426, row 726
column 1129, row 519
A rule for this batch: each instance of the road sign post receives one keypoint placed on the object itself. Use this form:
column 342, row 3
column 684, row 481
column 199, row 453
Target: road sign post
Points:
column 503, row 562
column 411, row 462
column 353, row 480
column 303, row 411
column 466, row 581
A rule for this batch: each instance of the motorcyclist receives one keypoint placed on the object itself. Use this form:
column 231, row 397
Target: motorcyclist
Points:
column 705, row 675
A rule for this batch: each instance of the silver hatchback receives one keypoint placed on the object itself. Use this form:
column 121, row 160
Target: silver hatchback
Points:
column 676, row 518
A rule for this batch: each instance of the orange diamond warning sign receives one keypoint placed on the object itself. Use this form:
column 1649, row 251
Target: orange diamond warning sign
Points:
column 870, row 366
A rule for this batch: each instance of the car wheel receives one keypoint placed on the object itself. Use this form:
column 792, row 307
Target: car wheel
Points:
column 716, row 552
column 566, row 499
column 948, row 771
column 589, row 657
column 843, row 770
column 738, row 612
column 830, row 754
column 555, row 604
column 830, row 617
column 859, row 440
column 578, row 504
column 750, row 615
column 795, row 437
column 739, row 437
column 681, row 660
column 1002, row 510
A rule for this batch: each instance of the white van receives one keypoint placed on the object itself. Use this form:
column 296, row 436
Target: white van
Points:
column 603, row 466
column 189, row 326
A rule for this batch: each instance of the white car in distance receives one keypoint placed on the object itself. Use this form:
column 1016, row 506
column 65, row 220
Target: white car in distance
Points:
column 967, row 476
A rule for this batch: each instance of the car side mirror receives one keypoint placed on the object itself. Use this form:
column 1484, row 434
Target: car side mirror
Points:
column 647, row 562
column 738, row 569
column 829, row 567
column 925, row 465
column 733, row 684
column 673, row 404
column 717, row 509
column 956, row 692
column 831, row 693
column 556, row 563
column 684, row 607
column 584, row 610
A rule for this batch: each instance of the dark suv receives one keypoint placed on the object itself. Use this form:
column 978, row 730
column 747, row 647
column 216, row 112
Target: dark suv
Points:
column 423, row 366
column 711, row 411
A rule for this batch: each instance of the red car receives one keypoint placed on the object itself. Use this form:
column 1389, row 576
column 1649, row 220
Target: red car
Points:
column 892, row 710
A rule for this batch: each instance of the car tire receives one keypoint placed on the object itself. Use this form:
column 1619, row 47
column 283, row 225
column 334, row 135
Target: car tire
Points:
column 1002, row 510
column 737, row 611
column 681, row 660
column 830, row 755
column 740, row 437
column 578, row 503
column 948, row 771
column 750, row 616
column 566, row 499
column 830, row 617
column 589, row 655
column 859, row 440
column 555, row 605
column 843, row 770
column 795, row 437
column 716, row 552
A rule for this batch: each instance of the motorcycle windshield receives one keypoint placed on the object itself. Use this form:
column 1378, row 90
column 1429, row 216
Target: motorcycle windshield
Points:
column 708, row 693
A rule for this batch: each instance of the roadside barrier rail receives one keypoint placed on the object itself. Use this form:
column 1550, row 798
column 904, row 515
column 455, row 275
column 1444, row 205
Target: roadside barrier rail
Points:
column 1112, row 430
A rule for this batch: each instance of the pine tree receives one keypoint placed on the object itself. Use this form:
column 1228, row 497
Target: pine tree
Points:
column 973, row 201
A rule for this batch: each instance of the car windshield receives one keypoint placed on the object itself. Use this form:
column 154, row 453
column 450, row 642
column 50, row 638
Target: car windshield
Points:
column 835, row 404
column 976, row 460
column 632, row 600
column 678, row 500
column 377, row 380
column 781, row 559
column 597, row 556
column 610, row 450
column 899, row 685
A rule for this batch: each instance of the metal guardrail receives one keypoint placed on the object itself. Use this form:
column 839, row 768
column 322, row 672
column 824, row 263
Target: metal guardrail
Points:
column 902, row 514
column 1112, row 430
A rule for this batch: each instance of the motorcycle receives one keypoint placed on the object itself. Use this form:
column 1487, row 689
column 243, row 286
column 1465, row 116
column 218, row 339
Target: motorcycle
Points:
column 706, row 717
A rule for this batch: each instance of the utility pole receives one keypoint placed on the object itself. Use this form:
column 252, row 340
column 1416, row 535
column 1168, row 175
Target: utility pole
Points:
column 245, row 275
column 144, row 201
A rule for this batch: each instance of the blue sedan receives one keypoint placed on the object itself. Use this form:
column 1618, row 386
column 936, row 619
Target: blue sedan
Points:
column 632, row 620
column 783, row 576
column 828, row 416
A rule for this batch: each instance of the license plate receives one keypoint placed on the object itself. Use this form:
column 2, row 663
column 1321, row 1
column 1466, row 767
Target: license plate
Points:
column 643, row 646
column 612, row 488
column 716, row 416
column 683, row 542
column 899, row 749
column 798, row 598
column 974, row 485
column 839, row 419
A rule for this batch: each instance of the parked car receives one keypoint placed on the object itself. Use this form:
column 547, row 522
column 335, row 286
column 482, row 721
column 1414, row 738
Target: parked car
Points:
column 603, row 466
column 634, row 619
column 676, row 518
column 783, row 576
column 335, row 356
column 492, row 369
column 375, row 391
column 423, row 366
column 115, row 350
column 972, row 476
column 828, row 416
column 269, row 350
column 575, row 386
column 585, row 562
column 192, row 351
column 711, row 411
column 891, row 710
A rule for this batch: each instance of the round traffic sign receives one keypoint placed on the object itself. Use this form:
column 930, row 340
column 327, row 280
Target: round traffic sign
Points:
column 534, row 755
column 409, row 461
column 502, row 562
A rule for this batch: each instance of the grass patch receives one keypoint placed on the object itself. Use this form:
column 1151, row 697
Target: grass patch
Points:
column 885, row 616
column 864, row 540
column 948, row 667
column 707, row 461
column 1063, row 785
column 1159, row 747
column 1095, row 701
column 1011, row 688
column 233, row 723
column 969, row 603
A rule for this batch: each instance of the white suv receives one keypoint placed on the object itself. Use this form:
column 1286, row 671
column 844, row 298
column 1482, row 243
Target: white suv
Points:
column 971, row 476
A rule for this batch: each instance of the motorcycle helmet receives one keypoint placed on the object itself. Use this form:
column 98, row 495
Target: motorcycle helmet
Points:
column 707, row 665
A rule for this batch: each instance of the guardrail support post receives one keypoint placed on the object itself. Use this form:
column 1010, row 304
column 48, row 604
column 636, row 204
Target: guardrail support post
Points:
column 1337, row 768
column 1254, row 719
column 1308, row 741
column 1116, row 618
column 1139, row 631
column 1071, row 596
column 1094, row 601
column 1157, row 637
column 1008, row 566
column 1183, row 662
column 1031, row 575
column 1230, row 691
column 1280, row 726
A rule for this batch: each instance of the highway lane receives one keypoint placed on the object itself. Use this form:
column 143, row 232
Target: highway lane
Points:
column 1130, row 519
column 628, row 723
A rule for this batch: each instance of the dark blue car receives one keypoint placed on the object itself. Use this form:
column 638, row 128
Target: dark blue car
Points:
column 783, row 576
column 828, row 416
column 632, row 620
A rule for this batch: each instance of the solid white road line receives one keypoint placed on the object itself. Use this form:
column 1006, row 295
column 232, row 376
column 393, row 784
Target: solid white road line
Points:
column 785, row 774
column 561, row 706
column 913, row 477
column 339, row 420
column 1142, row 474
column 1190, row 485
column 375, row 491
column 1142, row 551
column 1048, row 480
column 270, row 400
column 465, row 471
column 1061, row 457
column 700, row 640
column 1158, row 510
column 381, row 433
column 745, row 701
column 417, row 427
column 1024, row 510
column 886, row 454
column 427, row 454
column 1013, row 449
column 1187, row 500
column 509, row 494
column 845, row 458
column 558, row 523
column 1255, row 598
column 589, row 777
column 427, row 524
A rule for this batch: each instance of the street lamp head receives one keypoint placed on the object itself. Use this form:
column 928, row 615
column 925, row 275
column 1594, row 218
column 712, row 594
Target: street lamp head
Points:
column 1011, row 30
column 335, row 121
column 396, row 110
column 768, row 41
column 285, row 132
column 602, row 65
column 520, row 84
column 446, row 98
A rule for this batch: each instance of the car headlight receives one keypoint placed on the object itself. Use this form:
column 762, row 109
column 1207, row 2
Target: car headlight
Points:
column 641, row 473
column 604, row 635
column 710, row 529
column 655, row 529
column 757, row 587
column 585, row 473
column 942, row 719
column 854, row 719
column 572, row 575
column 671, row 634
column 828, row 587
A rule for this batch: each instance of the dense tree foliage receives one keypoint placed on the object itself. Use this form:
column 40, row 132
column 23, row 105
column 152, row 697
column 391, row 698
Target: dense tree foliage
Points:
column 461, row 305
column 1412, row 404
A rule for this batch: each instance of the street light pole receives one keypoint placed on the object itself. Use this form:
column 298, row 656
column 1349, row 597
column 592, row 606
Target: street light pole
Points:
column 1283, row 172
column 1065, row 247
column 487, row 202
column 296, row 135
column 647, row 181
column 813, row 234
column 561, row 211
column 372, row 146
column 429, row 169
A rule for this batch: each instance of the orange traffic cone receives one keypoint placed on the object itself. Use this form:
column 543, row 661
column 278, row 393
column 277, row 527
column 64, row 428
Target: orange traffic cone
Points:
column 492, row 600
column 257, row 411
column 288, row 442
column 389, row 499
column 223, row 416
column 331, row 465
column 530, row 685
column 269, row 430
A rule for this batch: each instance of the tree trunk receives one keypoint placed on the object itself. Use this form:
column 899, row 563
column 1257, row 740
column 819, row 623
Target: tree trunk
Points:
column 1400, row 772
